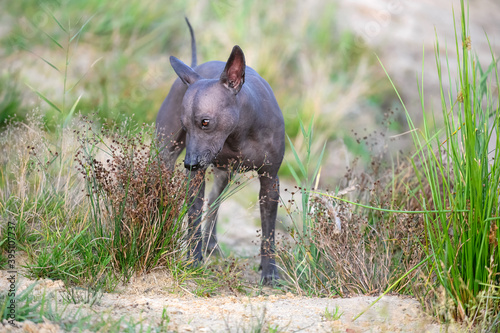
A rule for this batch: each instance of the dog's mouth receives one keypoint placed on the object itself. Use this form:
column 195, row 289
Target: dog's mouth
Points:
column 208, row 157
column 203, row 161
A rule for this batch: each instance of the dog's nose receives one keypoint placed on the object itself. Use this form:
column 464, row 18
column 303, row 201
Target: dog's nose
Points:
column 191, row 167
column 191, row 162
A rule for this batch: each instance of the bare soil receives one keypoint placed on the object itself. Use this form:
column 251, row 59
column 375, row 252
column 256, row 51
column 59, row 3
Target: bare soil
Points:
column 145, row 298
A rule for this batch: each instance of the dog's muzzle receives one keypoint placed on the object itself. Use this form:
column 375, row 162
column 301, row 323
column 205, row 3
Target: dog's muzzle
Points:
column 195, row 162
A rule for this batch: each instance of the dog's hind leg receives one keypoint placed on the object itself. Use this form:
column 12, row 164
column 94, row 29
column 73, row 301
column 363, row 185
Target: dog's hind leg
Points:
column 221, row 180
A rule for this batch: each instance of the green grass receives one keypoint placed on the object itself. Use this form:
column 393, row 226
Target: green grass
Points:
column 458, row 171
column 135, row 202
column 362, row 238
column 334, row 314
column 100, row 209
column 302, row 260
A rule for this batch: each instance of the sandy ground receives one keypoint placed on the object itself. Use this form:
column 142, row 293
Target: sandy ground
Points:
column 146, row 298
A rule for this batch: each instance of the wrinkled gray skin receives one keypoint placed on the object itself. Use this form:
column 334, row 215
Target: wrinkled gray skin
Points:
column 225, row 115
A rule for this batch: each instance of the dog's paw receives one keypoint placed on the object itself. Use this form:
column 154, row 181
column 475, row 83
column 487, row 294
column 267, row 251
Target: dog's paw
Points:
column 212, row 248
column 270, row 278
column 193, row 263
column 194, row 259
column 214, row 251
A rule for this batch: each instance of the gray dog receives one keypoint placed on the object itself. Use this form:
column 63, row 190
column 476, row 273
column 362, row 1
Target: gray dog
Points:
column 225, row 115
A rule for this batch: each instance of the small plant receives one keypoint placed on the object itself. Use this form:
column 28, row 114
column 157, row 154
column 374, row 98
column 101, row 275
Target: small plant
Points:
column 333, row 315
column 77, row 295
column 164, row 321
column 302, row 259
column 24, row 306
column 42, row 199
column 360, row 239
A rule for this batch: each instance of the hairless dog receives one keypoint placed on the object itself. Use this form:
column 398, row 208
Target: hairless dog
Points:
column 225, row 115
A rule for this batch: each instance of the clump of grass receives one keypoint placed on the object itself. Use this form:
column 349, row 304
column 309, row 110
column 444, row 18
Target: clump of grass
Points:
column 453, row 185
column 42, row 196
column 24, row 305
column 89, row 295
column 118, row 218
column 38, row 307
column 302, row 260
column 368, row 255
column 356, row 240
column 135, row 201
column 130, row 221
column 458, row 171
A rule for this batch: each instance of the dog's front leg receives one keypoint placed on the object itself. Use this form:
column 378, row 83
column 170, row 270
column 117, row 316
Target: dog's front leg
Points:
column 196, row 193
column 268, row 198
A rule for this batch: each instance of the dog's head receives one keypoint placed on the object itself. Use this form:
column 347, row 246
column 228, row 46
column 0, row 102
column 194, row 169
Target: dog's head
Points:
column 210, row 111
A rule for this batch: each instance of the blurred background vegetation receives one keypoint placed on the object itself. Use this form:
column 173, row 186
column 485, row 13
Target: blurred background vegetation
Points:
column 115, row 56
column 92, row 57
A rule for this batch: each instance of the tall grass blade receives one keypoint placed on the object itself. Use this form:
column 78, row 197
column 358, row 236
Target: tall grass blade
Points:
column 71, row 112
column 45, row 98
column 463, row 181
column 49, row 12
column 53, row 40
column 81, row 28
column 299, row 163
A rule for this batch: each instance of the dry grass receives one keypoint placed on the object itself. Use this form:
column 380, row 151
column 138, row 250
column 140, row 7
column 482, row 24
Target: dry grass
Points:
column 90, row 205
column 135, row 200
column 352, row 249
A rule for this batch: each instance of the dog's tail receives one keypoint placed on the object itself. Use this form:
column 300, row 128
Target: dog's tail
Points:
column 193, row 45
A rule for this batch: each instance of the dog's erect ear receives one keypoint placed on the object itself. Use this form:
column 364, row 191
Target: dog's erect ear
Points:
column 186, row 73
column 233, row 75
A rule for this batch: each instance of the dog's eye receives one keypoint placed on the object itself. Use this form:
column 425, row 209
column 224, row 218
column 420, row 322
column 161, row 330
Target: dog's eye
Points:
column 205, row 123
